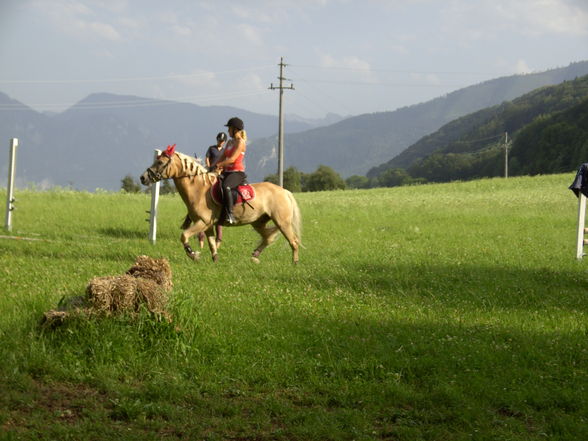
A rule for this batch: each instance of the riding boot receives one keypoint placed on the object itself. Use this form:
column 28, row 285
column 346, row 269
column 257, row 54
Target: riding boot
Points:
column 229, row 207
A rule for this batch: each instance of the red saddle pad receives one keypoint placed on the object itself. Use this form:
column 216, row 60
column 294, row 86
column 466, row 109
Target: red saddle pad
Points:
column 246, row 193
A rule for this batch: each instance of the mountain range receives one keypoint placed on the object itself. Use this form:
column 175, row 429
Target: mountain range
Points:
column 104, row 137
column 547, row 130
column 356, row 145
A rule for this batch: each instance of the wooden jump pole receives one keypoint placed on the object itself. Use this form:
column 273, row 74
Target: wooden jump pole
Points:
column 10, row 189
column 153, row 211
column 580, row 242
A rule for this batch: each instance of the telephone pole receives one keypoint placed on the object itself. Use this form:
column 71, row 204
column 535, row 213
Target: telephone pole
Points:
column 281, row 120
column 506, row 147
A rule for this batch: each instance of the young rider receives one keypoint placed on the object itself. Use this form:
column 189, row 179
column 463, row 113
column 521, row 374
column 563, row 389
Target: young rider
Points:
column 233, row 164
column 212, row 155
column 214, row 151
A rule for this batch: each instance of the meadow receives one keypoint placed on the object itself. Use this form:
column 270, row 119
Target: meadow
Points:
column 436, row 312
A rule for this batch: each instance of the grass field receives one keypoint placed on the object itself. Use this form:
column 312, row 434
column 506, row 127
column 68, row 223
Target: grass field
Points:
column 438, row 312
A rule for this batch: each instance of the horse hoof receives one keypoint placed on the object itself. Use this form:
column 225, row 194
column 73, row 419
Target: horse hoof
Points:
column 195, row 256
column 255, row 260
column 215, row 258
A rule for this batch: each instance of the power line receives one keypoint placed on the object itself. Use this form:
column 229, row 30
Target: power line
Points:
column 139, row 102
column 370, row 69
column 133, row 79
column 380, row 83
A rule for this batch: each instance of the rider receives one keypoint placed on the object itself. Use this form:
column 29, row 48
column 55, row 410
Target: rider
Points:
column 212, row 155
column 232, row 162
column 214, row 151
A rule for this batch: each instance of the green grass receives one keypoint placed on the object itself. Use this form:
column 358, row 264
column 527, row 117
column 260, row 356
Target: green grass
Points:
column 437, row 312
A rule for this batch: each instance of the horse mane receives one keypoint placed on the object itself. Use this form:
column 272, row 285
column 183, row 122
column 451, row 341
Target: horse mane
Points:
column 190, row 166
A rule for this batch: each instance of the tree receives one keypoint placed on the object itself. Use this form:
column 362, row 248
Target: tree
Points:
column 394, row 177
column 324, row 178
column 357, row 181
column 273, row 178
column 292, row 179
column 129, row 185
column 167, row 187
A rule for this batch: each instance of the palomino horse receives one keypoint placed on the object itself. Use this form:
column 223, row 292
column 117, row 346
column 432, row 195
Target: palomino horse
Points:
column 194, row 182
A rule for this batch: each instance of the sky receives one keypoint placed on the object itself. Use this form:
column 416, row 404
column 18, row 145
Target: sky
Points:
column 342, row 56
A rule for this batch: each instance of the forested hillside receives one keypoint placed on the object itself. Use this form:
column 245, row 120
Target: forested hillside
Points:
column 547, row 127
column 552, row 144
column 356, row 145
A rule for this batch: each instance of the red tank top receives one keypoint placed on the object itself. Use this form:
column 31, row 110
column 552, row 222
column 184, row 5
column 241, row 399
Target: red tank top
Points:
column 239, row 164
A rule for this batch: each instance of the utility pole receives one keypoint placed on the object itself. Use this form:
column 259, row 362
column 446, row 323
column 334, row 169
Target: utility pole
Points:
column 506, row 147
column 281, row 121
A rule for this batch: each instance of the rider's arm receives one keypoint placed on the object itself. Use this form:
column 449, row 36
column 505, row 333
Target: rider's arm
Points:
column 238, row 151
column 217, row 162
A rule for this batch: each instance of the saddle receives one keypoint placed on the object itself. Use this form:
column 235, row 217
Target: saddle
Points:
column 244, row 193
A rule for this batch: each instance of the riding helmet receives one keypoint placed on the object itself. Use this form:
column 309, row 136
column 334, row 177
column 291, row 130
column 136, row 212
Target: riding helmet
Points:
column 235, row 122
column 222, row 136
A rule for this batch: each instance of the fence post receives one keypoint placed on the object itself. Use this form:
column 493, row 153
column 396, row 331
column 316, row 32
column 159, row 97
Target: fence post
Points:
column 10, row 189
column 581, row 225
column 154, row 204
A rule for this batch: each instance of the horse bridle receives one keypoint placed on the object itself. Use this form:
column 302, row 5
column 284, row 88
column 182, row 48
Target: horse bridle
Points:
column 157, row 176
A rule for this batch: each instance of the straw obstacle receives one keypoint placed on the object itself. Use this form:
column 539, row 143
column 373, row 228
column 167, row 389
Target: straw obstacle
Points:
column 145, row 285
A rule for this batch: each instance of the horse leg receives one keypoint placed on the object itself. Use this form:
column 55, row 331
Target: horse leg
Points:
column 212, row 244
column 288, row 232
column 268, row 235
column 196, row 228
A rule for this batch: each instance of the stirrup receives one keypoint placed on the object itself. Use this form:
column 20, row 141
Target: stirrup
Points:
column 230, row 219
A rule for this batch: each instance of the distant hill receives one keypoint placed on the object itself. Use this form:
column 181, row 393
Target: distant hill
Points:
column 357, row 144
column 95, row 143
column 104, row 137
column 549, row 127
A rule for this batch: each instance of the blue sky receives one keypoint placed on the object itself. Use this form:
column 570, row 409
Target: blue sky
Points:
column 346, row 57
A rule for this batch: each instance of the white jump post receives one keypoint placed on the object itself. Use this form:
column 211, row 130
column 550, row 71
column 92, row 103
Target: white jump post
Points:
column 10, row 189
column 581, row 226
column 154, row 204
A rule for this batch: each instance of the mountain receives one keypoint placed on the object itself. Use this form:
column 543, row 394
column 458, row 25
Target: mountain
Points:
column 357, row 144
column 547, row 125
column 104, row 137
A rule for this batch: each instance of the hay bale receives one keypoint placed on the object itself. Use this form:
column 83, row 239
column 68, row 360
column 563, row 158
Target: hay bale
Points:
column 146, row 284
column 112, row 293
column 157, row 270
column 125, row 294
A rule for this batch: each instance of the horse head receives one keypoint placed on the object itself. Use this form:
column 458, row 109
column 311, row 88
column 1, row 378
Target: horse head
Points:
column 160, row 168
column 183, row 166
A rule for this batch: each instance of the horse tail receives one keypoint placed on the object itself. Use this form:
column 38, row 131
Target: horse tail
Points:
column 296, row 218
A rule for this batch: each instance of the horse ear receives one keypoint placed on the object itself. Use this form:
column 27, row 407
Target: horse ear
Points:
column 170, row 150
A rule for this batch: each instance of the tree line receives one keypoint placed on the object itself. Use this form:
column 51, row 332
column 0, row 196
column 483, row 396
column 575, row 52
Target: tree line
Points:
column 323, row 179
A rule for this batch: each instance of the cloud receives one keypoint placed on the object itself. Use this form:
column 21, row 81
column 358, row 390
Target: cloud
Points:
column 487, row 20
column 251, row 34
column 430, row 79
column 522, row 67
column 75, row 17
column 348, row 62
column 198, row 78
column 539, row 17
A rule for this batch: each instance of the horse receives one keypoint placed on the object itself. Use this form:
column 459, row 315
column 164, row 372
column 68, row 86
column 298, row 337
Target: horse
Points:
column 194, row 182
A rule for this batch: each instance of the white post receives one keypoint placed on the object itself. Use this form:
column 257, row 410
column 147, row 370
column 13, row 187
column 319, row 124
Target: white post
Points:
column 581, row 225
column 10, row 190
column 154, row 203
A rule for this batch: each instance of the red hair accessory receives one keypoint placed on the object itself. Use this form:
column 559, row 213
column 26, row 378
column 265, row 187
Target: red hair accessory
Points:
column 169, row 151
